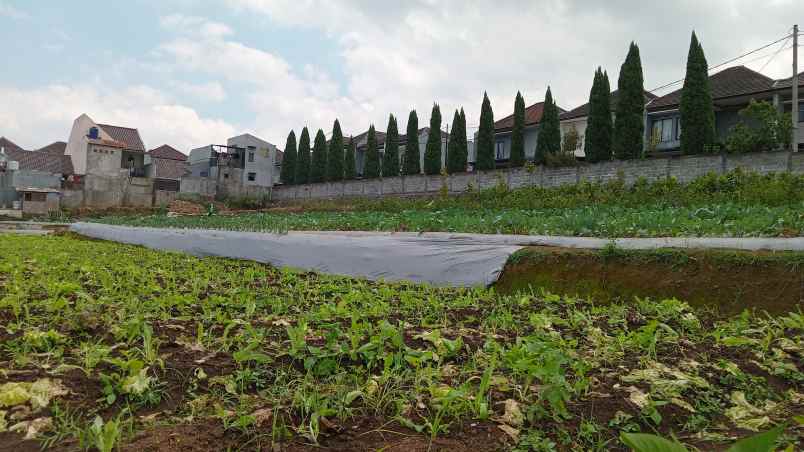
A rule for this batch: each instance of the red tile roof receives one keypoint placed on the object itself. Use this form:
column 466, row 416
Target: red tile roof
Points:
column 56, row 148
column 130, row 137
column 167, row 152
column 8, row 144
column 730, row 82
column 41, row 161
column 533, row 115
column 168, row 168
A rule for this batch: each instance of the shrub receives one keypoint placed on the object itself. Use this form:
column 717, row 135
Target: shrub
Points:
column 762, row 128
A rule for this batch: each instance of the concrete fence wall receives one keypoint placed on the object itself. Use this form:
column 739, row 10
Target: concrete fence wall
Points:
column 683, row 168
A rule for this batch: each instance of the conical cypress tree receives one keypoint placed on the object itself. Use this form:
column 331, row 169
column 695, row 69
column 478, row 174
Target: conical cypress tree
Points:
column 288, row 170
column 372, row 167
column 464, row 144
column 318, row 167
column 303, row 158
column 412, row 163
column 390, row 159
column 335, row 154
column 518, row 132
column 349, row 167
column 697, row 111
column 454, row 160
column 432, row 152
column 485, row 137
column 549, row 140
column 629, row 122
column 597, row 144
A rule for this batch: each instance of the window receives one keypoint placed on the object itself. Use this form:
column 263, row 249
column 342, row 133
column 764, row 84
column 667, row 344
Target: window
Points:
column 252, row 177
column 35, row 197
column 666, row 129
column 251, row 156
column 204, row 174
column 501, row 151
column 801, row 112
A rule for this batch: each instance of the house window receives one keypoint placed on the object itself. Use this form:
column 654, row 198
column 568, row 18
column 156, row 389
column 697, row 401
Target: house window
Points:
column 251, row 156
column 666, row 129
column 252, row 177
column 801, row 112
column 501, row 150
column 34, row 197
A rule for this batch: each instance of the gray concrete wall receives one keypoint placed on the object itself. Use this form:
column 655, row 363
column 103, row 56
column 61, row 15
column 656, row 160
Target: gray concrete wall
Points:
column 683, row 168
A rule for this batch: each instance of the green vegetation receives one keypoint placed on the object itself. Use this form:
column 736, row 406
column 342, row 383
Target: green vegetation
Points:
column 485, row 137
column 762, row 128
column 318, row 168
column 335, row 155
column 432, row 151
column 350, row 167
column 697, row 111
column 733, row 204
column 288, row 171
column 412, row 165
column 131, row 346
column 458, row 148
column 303, row 158
column 518, row 132
column 597, row 145
column 549, row 130
column 390, row 158
column 629, row 123
column 371, row 168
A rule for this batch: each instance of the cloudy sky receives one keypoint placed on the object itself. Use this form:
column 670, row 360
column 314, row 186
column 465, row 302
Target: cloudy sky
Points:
column 193, row 72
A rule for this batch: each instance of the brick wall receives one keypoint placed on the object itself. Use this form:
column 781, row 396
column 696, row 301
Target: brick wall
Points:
column 683, row 168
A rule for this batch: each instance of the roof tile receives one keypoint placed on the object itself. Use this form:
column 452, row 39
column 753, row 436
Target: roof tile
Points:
column 130, row 137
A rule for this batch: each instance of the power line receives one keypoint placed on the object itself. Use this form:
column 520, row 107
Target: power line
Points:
column 775, row 54
column 725, row 62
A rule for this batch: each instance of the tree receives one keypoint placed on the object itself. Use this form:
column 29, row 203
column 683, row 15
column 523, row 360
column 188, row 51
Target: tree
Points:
column 484, row 159
column 697, row 112
column 412, row 164
column 549, row 141
column 318, row 168
column 629, row 122
column 288, row 171
column 349, row 167
column 518, row 132
column 762, row 128
column 432, row 151
column 597, row 144
column 372, row 167
column 570, row 141
column 303, row 158
column 457, row 147
column 390, row 160
column 464, row 144
column 335, row 154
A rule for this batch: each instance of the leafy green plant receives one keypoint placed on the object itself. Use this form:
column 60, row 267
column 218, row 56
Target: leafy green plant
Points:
column 643, row 442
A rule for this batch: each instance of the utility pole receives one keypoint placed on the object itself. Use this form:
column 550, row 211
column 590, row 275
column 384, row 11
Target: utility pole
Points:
column 795, row 107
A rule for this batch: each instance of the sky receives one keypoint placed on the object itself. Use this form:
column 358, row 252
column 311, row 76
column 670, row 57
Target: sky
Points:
column 193, row 72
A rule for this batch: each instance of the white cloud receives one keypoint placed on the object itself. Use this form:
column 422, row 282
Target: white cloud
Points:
column 50, row 110
column 209, row 92
column 195, row 25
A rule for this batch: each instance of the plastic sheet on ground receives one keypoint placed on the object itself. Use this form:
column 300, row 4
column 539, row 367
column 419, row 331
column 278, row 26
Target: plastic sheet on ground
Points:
column 439, row 260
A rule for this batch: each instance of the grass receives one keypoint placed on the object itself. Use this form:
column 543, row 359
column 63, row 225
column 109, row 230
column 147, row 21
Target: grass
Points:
column 735, row 204
column 127, row 345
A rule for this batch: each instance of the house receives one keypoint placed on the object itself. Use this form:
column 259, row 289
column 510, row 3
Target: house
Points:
column 732, row 90
column 32, row 179
column 166, row 166
column 504, row 127
column 105, row 150
column 577, row 119
column 244, row 165
column 361, row 146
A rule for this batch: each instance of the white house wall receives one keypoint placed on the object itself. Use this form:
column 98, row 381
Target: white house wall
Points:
column 263, row 164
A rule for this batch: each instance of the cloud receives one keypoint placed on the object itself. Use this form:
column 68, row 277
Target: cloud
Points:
column 209, row 92
column 12, row 12
column 195, row 25
column 49, row 111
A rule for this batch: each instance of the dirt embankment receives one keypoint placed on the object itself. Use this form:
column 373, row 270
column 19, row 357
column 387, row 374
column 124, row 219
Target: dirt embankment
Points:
column 728, row 281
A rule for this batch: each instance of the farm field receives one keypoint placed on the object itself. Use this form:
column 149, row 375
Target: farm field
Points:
column 735, row 204
column 106, row 346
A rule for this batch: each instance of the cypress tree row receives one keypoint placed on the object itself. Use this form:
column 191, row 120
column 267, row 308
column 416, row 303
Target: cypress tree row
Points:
column 518, row 132
column 485, row 137
column 432, row 152
column 349, row 167
column 303, row 158
column 549, row 140
column 372, row 167
column 412, row 164
column 629, row 125
column 288, row 170
column 390, row 159
column 697, row 112
column 318, row 168
column 335, row 154
column 597, row 144
column 463, row 142
column 456, row 157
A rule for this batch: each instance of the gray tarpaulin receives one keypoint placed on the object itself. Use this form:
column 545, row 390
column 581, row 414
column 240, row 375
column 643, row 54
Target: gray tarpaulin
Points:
column 440, row 260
